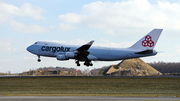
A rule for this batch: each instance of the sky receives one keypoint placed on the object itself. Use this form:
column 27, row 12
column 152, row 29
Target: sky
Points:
column 111, row 23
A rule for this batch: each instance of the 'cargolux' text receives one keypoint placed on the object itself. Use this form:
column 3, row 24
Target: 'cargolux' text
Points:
column 55, row 49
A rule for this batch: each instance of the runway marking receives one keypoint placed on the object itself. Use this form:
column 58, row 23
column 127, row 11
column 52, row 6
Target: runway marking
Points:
column 89, row 98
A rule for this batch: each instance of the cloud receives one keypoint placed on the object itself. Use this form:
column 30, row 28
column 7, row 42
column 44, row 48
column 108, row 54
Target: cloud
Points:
column 120, row 16
column 27, row 28
column 72, row 42
column 32, row 11
column 6, row 46
column 8, row 11
column 71, row 18
column 66, row 26
column 107, row 43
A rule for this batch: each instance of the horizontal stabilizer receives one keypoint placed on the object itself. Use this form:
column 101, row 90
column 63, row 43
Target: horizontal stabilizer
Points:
column 145, row 52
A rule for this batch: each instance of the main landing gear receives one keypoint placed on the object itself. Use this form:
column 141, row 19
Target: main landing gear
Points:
column 39, row 60
column 86, row 63
column 77, row 62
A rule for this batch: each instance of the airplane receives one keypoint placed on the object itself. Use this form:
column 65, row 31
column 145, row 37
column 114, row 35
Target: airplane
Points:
column 85, row 53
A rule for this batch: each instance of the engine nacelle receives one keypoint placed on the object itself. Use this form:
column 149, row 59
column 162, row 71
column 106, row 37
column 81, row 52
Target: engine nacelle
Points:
column 62, row 57
column 70, row 54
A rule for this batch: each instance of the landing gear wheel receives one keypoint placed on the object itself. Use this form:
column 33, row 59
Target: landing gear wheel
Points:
column 88, row 63
column 77, row 62
column 39, row 60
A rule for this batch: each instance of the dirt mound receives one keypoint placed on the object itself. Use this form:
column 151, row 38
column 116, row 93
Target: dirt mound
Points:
column 132, row 67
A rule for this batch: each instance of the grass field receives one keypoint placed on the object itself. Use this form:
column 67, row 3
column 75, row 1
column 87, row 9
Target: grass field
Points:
column 90, row 86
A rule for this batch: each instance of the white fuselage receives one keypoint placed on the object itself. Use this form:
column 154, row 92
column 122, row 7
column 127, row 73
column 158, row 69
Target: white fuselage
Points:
column 50, row 49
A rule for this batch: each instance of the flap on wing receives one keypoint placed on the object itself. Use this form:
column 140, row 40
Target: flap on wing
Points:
column 145, row 52
column 86, row 46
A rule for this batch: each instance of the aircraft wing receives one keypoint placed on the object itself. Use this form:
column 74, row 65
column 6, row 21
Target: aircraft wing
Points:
column 85, row 47
column 82, row 52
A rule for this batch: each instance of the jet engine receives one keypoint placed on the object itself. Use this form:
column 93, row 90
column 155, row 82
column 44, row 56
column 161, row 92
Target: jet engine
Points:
column 66, row 56
column 70, row 54
column 61, row 57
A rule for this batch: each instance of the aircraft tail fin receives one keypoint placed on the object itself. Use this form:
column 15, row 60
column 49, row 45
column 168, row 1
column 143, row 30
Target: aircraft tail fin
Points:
column 149, row 41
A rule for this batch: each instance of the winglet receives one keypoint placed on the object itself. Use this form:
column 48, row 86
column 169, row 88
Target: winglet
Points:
column 90, row 43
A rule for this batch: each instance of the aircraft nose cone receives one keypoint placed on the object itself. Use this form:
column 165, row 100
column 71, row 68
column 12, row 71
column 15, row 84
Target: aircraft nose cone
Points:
column 29, row 49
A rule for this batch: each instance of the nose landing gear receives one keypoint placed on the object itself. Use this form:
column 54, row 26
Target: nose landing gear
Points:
column 39, row 60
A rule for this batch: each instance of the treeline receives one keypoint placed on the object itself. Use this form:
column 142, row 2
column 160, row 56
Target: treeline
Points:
column 166, row 67
column 99, row 71
column 56, row 69
column 52, row 71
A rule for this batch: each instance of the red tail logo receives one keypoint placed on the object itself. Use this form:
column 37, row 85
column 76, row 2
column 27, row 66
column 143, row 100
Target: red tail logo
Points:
column 148, row 41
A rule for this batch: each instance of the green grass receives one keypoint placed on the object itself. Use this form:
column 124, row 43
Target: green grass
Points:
column 91, row 86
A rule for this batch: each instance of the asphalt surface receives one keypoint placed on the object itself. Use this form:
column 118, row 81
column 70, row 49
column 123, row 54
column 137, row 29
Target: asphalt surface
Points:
column 84, row 98
column 10, row 76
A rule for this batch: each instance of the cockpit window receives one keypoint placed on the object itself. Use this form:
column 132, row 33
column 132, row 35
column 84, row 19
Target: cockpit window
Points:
column 35, row 43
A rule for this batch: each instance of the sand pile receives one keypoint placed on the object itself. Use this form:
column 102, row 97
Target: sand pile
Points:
column 132, row 67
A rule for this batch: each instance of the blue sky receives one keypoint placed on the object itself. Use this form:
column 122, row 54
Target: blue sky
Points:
column 111, row 23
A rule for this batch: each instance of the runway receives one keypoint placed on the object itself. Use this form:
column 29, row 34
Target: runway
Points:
column 84, row 98
column 10, row 76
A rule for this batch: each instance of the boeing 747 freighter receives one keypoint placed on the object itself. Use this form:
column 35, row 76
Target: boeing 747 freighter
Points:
column 85, row 53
